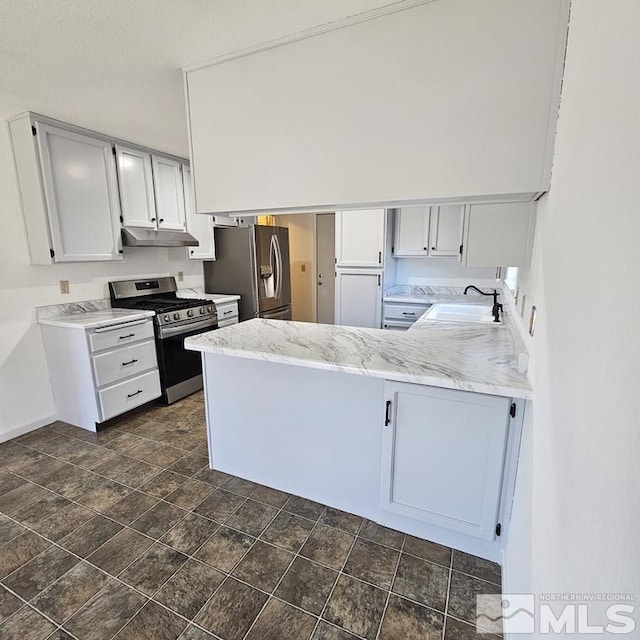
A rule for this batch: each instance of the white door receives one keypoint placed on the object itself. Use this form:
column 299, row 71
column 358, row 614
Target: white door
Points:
column 446, row 226
column 136, row 187
column 198, row 225
column 81, row 191
column 411, row 237
column 360, row 238
column 359, row 298
column 499, row 235
column 325, row 266
column 167, row 180
column 443, row 456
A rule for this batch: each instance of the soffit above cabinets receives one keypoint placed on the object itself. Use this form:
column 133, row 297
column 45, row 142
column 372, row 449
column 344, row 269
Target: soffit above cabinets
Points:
column 443, row 100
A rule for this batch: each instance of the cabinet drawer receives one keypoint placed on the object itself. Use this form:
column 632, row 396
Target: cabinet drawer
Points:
column 123, row 396
column 122, row 363
column 226, row 311
column 121, row 334
column 409, row 312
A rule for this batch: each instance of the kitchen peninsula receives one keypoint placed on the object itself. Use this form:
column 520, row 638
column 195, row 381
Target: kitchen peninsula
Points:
column 416, row 430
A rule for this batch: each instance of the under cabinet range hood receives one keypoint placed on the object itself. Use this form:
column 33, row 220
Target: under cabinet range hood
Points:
column 137, row 237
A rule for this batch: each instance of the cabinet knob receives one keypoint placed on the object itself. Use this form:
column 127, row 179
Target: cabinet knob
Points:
column 161, row 220
column 153, row 219
column 424, row 248
column 433, row 248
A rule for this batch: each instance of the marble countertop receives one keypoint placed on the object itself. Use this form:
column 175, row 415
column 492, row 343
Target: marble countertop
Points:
column 94, row 319
column 221, row 298
column 198, row 292
column 464, row 356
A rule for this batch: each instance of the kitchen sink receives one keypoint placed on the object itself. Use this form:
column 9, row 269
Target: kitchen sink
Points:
column 476, row 313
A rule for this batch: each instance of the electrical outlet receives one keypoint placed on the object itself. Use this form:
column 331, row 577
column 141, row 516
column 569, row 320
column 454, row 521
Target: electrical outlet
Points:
column 180, row 276
column 303, row 267
column 64, row 286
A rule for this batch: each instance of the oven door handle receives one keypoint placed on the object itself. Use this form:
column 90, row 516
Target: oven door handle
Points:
column 168, row 332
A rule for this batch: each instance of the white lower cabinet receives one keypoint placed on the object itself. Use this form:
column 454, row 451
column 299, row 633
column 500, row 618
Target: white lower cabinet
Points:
column 443, row 456
column 399, row 316
column 359, row 297
column 99, row 373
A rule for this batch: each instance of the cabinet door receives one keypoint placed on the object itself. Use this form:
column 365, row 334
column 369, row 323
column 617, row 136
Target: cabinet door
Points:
column 359, row 298
column 360, row 238
column 198, row 225
column 136, row 187
column 411, row 236
column 445, row 230
column 167, row 180
column 81, row 191
column 499, row 235
column 443, row 456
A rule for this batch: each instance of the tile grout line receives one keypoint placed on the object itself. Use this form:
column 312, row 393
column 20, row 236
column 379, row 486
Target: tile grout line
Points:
column 393, row 580
column 333, row 588
column 446, row 604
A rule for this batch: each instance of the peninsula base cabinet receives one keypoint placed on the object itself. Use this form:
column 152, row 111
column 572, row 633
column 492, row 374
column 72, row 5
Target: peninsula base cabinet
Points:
column 97, row 374
column 443, row 456
column 443, row 468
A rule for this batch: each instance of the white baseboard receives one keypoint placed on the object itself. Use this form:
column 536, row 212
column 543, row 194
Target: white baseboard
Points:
column 18, row 431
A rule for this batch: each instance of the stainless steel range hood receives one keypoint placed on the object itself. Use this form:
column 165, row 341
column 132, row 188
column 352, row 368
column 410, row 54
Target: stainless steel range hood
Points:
column 135, row 237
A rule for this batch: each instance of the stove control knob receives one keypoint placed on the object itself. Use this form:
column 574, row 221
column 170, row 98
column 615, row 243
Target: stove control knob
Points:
column 210, row 309
column 176, row 316
column 190, row 313
column 167, row 318
column 202, row 310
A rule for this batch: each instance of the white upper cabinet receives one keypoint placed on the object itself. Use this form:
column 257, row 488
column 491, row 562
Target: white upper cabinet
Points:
column 445, row 230
column 470, row 110
column 411, row 236
column 136, row 187
column 359, row 298
column 443, row 456
column 499, row 235
column 81, row 192
column 169, row 193
column 200, row 226
column 434, row 231
column 360, row 238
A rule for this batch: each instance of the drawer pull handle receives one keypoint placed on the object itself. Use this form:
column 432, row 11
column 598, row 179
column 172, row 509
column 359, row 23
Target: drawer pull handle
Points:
column 226, row 313
column 408, row 313
column 130, row 335
column 124, row 364
column 130, row 395
column 387, row 414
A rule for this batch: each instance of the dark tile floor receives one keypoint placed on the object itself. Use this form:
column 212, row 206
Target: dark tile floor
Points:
column 127, row 534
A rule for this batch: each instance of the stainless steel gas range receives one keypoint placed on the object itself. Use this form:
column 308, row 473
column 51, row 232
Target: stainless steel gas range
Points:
column 176, row 319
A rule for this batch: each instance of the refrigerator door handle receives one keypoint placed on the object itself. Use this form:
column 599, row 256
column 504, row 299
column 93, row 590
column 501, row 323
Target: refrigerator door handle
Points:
column 275, row 245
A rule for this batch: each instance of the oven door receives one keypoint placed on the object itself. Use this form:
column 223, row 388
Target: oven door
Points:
column 180, row 370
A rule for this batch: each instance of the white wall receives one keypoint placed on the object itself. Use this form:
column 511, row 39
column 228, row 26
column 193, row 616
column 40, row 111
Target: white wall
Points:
column 428, row 270
column 25, row 393
column 582, row 506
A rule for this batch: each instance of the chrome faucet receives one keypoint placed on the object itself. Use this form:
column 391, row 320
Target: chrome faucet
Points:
column 497, row 307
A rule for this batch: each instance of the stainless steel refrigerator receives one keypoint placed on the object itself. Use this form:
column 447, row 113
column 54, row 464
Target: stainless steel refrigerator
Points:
column 252, row 262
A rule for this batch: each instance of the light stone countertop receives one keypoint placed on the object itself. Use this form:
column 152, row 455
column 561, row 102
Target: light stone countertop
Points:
column 95, row 319
column 197, row 292
column 470, row 357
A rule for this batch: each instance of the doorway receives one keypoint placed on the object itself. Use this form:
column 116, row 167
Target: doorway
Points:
column 325, row 268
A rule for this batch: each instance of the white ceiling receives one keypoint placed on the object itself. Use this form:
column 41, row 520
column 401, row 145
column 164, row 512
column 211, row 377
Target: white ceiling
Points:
column 114, row 65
